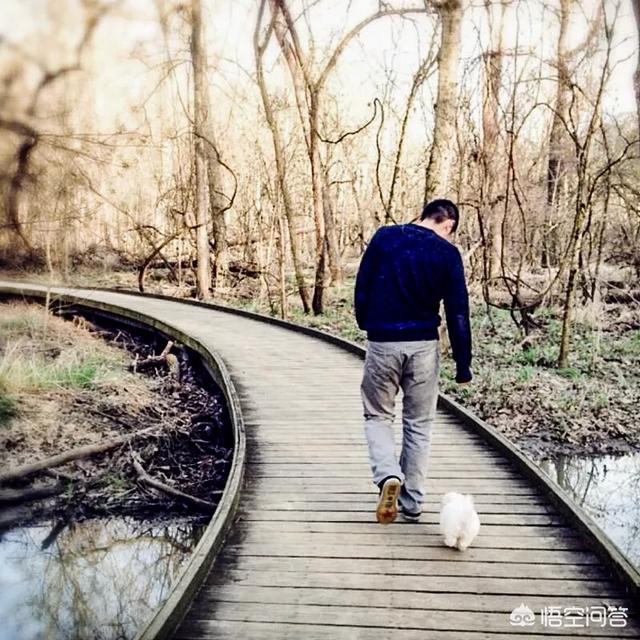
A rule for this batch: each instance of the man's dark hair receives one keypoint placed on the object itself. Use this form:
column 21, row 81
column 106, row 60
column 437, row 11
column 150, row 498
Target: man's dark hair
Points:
column 441, row 210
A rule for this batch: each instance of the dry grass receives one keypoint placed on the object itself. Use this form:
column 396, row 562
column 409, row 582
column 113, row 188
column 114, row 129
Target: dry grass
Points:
column 39, row 351
column 53, row 375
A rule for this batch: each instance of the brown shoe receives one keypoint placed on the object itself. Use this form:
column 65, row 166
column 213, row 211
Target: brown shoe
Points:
column 388, row 501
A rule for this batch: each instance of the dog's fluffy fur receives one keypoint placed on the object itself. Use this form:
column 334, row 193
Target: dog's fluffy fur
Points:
column 459, row 522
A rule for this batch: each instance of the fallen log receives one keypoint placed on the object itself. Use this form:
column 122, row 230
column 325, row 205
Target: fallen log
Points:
column 73, row 454
column 203, row 505
column 166, row 358
column 11, row 496
column 151, row 360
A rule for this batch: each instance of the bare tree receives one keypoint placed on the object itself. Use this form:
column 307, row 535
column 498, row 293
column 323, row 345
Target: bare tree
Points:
column 278, row 149
column 560, row 143
column 437, row 182
column 307, row 100
column 218, row 205
column 200, row 116
column 636, row 76
column 27, row 130
column 585, row 191
column 303, row 80
column 491, row 154
column 423, row 72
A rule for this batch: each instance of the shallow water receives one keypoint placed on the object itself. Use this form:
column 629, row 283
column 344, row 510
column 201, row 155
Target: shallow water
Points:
column 608, row 489
column 97, row 579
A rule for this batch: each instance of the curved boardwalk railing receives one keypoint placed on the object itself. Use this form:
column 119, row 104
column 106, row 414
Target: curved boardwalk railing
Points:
column 304, row 558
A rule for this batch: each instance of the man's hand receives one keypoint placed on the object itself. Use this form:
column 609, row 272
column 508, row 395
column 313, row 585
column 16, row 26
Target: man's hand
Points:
column 463, row 375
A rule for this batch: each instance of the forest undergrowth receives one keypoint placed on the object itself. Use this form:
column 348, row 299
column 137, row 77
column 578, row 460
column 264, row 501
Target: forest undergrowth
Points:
column 589, row 407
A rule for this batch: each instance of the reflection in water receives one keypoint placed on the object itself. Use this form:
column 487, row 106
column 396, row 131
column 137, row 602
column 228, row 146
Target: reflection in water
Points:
column 608, row 489
column 99, row 579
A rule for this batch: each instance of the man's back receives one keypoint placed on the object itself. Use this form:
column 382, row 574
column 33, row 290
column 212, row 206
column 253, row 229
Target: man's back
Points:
column 405, row 273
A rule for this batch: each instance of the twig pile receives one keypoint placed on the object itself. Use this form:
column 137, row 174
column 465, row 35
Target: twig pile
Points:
column 171, row 456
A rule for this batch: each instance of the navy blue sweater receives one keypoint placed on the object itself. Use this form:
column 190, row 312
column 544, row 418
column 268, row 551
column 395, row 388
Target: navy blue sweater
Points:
column 405, row 272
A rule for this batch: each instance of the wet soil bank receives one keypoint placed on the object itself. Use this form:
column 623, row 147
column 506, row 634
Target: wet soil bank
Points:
column 185, row 444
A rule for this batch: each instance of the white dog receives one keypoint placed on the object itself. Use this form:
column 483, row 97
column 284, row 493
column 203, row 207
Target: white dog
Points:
column 459, row 522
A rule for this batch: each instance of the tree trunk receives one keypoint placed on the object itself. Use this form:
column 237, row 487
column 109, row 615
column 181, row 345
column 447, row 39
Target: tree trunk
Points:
column 280, row 165
column 332, row 234
column 318, row 212
column 30, row 138
column 284, row 312
column 584, row 199
column 437, row 182
column 203, row 273
column 558, row 142
column 490, row 140
column 217, row 206
column 306, row 94
column 636, row 75
column 572, row 281
column 318, row 288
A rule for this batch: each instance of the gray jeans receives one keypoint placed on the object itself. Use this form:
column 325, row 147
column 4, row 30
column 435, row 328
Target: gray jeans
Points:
column 412, row 366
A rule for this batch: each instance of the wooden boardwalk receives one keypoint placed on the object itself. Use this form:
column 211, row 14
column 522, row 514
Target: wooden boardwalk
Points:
column 306, row 559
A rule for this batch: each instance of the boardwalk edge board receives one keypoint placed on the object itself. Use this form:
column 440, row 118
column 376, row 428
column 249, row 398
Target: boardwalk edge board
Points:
column 166, row 619
column 611, row 556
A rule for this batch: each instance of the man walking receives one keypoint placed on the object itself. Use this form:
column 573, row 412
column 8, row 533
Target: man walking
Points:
column 405, row 272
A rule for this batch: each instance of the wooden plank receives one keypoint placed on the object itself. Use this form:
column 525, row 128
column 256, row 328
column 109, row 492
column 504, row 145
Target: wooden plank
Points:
column 331, row 516
column 437, row 485
column 351, row 420
column 356, row 437
column 286, row 423
column 261, row 463
column 431, row 502
column 435, row 488
column 399, row 552
column 275, row 471
column 321, row 455
column 346, row 474
column 384, row 618
column 516, row 495
column 377, row 598
column 283, row 417
column 367, row 506
column 361, row 462
column 398, row 529
column 472, row 585
column 350, row 441
column 380, row 567
column 291, row 426
column 254, row 534
column 359, row 453
column 358, row 448
column 240, row 629
column 443, row 422
column 282, row 441
column 313, row 456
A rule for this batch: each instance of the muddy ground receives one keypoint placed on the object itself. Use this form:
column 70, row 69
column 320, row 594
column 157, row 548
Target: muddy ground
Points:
column 188, row 447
